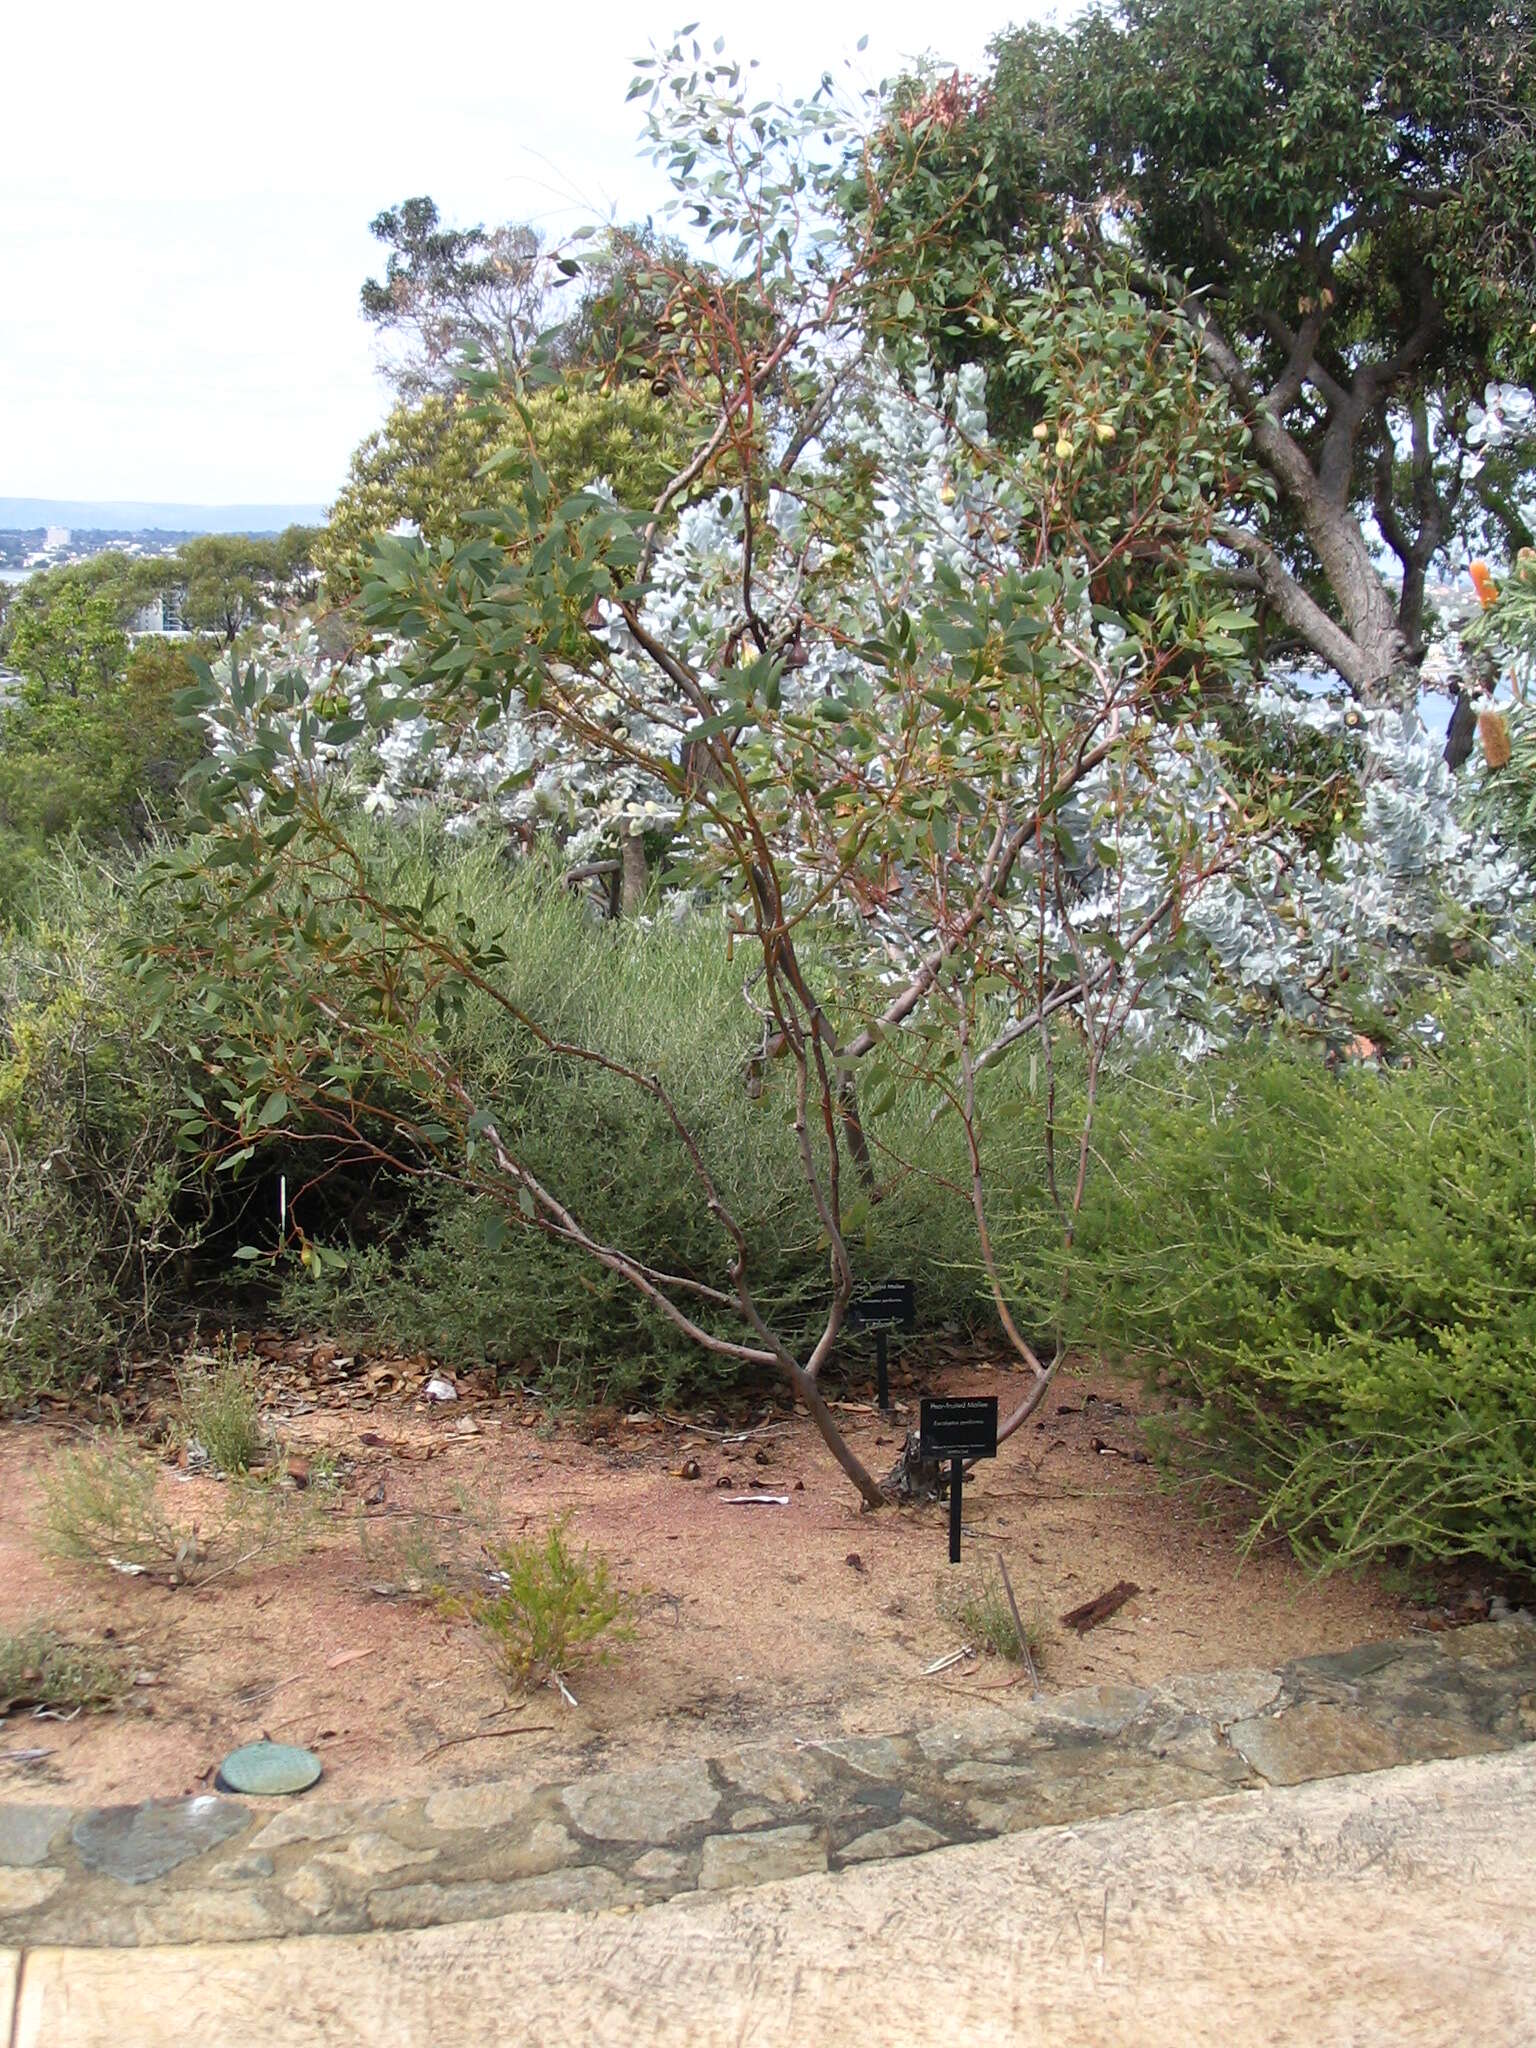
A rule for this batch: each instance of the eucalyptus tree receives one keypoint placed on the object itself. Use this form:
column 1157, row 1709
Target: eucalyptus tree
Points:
column 227, row 581
column 1336, row 201
column 447, row 289
column 861, row 659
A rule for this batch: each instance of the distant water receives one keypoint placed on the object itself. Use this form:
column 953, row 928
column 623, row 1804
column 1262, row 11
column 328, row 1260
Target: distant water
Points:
column 138, row 516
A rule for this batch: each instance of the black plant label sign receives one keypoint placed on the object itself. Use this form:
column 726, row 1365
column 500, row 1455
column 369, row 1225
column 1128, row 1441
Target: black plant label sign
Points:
column 960, row 1428
column 893, row 1303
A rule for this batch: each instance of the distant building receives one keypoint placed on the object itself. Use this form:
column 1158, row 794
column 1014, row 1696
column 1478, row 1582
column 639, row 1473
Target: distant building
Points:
column 160, row 618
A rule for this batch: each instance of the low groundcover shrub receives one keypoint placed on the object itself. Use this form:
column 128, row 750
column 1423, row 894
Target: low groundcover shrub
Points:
column 1335, row 1271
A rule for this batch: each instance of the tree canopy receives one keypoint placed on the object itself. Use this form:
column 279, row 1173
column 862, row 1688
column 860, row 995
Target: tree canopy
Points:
column 109, row 589
column 1337, row 201
column 615, row 379
column 447, row 289
column 227, row 580
column 91, row 742
column 427, row 467
column 72, row 644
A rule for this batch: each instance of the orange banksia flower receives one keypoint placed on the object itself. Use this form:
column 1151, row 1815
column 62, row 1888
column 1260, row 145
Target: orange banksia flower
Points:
column 1487, row 589
column 1494, row 734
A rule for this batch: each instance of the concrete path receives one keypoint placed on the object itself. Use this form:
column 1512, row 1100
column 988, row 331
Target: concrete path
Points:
column 1394, row 1909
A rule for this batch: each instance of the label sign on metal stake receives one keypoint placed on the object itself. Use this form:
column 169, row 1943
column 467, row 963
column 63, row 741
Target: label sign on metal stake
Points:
column 958, row 1430
column 892, row 1305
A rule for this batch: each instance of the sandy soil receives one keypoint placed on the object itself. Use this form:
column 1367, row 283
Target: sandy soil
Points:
column 765, row 1623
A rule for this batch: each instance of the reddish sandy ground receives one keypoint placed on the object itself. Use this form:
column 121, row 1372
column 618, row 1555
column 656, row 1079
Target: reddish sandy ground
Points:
column 766, row 1623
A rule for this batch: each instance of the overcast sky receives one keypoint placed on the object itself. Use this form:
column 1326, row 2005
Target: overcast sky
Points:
column 185, row 193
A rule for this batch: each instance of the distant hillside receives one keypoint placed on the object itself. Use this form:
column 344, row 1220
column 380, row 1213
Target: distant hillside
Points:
column 131, row 516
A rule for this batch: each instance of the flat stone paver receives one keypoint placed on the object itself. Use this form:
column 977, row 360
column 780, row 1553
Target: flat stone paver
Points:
column 212, row 1869
column 21, row 1890
column 1321, row 1739
column 760, row 1857
column 906, row 1838
column 1352, row 1912
column 27, row 1833
column 10, row 1963
column 137, row 1843
column 643, row 1806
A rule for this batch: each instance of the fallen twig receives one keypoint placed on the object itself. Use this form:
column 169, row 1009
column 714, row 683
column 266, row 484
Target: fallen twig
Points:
column 246, row 1700
column 488, row 1735
column 724, row 1436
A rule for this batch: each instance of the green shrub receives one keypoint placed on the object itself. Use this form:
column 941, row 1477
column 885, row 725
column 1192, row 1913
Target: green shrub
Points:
column 108, row 1227
column 550, row 1607
column 420, row 1554
column 982, row 1612
column 442, row 1276
column 41, row 1667
column 96, row 1203
column 101, row 1506
column 1336, row 1271
column 221, row 1410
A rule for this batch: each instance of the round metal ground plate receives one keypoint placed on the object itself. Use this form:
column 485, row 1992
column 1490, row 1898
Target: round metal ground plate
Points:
column 265, row 1768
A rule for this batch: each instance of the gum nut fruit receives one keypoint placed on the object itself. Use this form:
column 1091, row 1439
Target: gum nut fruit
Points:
column 1042, row 432
column 1063, row 446
column 1105, row 431
column 947, row 495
